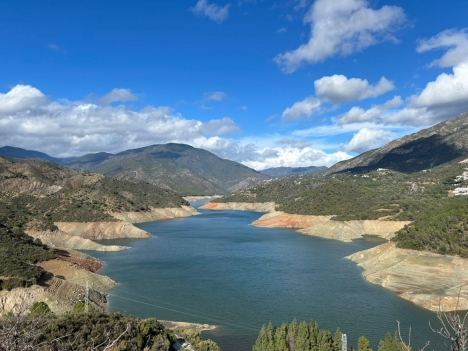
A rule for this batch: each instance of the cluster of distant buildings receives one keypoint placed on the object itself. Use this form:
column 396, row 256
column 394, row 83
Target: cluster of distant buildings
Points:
column 459, row 179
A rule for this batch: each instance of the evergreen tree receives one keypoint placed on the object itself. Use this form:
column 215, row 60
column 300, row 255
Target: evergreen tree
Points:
column 262, row 341
column 363, row 344
column 391, row 344
column 314, row 335
column 292, row 335
column 325, row 341
column 281, row 338
column 270, row 334
column 337, row 343
column 303, row 337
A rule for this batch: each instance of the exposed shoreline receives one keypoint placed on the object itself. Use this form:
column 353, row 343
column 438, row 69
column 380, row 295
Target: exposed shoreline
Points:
column 430, row 281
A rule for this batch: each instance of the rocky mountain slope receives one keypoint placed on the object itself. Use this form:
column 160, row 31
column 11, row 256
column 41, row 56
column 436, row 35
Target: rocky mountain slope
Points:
column 425, row 149
column 182, row 168
column 278, row 172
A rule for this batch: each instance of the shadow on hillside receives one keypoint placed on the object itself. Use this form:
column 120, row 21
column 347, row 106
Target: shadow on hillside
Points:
column 415, row 156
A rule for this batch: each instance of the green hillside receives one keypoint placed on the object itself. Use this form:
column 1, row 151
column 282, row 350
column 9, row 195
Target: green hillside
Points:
column 182, row 168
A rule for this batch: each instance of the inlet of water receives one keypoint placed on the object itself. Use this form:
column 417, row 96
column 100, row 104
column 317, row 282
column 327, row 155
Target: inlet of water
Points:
column 215, row 268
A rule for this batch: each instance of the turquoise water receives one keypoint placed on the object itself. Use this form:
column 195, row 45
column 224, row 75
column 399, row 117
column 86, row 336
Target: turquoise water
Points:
column 217, row 269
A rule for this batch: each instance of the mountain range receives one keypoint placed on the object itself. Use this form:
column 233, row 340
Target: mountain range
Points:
column 415, row 152
column 278, row 172
column 182, row 168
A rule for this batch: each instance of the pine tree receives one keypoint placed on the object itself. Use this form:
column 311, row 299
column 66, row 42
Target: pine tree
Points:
column 314, row 335
column 281, row 338
column 325, row 341
column 292, row 335
column 270, row 334
column 391, row 344
column 262, row 341
column 303, row 337
column 337, row 343
column 363, row 344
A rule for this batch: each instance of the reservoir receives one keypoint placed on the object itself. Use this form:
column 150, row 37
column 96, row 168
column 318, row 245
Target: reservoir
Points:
column 216, row 268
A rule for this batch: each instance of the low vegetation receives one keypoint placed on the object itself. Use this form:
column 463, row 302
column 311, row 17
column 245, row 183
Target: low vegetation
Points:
column 85, row 331
column 18, row 254
column 442, row 230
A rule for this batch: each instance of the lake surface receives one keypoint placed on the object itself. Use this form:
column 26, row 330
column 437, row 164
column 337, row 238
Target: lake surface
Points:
column 215, row 268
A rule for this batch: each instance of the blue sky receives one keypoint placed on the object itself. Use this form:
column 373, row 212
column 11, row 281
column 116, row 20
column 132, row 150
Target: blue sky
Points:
column 265, row 83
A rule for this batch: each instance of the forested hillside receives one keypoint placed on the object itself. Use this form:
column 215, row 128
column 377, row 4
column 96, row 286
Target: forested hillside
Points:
column 36, row 194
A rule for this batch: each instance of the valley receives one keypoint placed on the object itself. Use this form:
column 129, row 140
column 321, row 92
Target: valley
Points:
column 49, row 211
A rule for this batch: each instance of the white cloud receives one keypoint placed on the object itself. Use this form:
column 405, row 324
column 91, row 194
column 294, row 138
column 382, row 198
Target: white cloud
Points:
column 291, row 156
column 28, row 119
column 301, row 109
column 455, row 40
column 214, row 96
column 367, row 139
column 214, row 12
column 222, row 126
column 375, row 114
column 342, row 27
column 73, row 128
column 282, row 30
column 21, row 98
column 338, row 88
column 117, row 95
column 447, row 89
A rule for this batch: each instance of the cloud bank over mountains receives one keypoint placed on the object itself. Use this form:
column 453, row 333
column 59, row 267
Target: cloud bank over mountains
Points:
column 29, row 119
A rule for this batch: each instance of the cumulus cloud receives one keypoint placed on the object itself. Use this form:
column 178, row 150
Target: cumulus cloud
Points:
column 338, row 88
column 342, row 27
column 447, row 95
column 291, row 156
column 214, row 12
column 117, row 95
column 301, row 109
column 65, row 128
column 28, row 119
column 455, row 40
column 375, row 114
column 21, row 98
column 368, row 139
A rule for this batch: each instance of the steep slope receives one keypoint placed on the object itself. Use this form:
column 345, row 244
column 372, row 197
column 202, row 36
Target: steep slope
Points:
column 182, row 168
column 279, row 172
column 425, row 149
column 16, row 152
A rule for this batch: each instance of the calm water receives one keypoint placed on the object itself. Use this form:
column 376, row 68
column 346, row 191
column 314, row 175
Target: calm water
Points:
column 217, row 269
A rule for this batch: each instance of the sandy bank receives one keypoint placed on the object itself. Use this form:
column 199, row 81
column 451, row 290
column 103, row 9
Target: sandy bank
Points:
column 155, row 214
column 425, row 278
column 201, row 197
column 102, row 230
column 61, row 239
column 240, row 206
column 187, row 325
column 324, row 227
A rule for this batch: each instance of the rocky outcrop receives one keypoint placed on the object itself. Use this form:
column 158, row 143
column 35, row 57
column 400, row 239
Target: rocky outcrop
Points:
column 73, row 273
column 240, row 206
column 155, row 214
column 348, row 230
column 59, row 238
column 59, row 290
column 429, row 280
column 324, row 227
column 102, row 230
